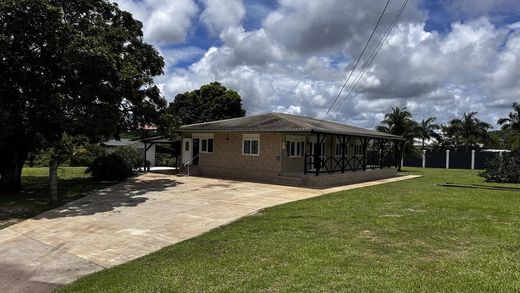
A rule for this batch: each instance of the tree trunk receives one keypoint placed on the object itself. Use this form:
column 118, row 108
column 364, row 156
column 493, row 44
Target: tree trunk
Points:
column 53, row 180
column 11, row 164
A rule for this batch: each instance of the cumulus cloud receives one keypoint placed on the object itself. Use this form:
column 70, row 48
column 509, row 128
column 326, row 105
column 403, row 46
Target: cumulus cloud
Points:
column 220, row 15
column 164, row 21
column 297, row 58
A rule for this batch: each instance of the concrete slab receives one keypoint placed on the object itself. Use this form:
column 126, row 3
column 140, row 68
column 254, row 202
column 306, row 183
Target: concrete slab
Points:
column 130, row 220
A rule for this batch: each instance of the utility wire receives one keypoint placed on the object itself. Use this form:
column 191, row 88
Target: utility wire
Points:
column 357, row 61
column 373, row 55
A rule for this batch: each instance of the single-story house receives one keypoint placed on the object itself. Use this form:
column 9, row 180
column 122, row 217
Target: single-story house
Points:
column 289, row 149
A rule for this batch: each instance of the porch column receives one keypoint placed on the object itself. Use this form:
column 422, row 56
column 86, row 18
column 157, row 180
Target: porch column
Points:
column 381, row 150
column 317, row 152
column 365, row 149
column 343, row 150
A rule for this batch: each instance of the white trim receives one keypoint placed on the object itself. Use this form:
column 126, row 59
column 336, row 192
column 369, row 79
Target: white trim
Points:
column 203, row 135
column 251, row 137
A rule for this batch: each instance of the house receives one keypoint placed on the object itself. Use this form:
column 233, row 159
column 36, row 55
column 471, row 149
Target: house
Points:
column 289, row 149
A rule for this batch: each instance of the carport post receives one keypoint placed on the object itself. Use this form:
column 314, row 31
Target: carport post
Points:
column 472, row 159
column 424, row 158
column 447, row 159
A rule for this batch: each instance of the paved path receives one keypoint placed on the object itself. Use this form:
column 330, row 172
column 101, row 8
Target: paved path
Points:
column 127, row 221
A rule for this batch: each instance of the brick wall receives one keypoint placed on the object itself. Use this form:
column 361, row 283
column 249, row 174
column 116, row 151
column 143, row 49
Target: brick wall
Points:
column 227, row 159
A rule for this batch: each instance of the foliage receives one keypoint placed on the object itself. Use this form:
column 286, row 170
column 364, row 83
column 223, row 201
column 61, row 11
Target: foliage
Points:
column 109, row 167
column 131, row 155
column 399, row 122
column 504, row 168
column 85, row 155
column 427, row 129
column 467, row 132
column 512, row 122
column 211, row 102
column 68, row 67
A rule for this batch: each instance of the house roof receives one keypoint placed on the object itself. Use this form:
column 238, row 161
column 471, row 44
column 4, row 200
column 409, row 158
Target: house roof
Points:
column 280, row 122
column 120, row 142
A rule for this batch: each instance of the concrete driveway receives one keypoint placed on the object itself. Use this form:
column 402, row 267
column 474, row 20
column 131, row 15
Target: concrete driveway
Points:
column 127, row 221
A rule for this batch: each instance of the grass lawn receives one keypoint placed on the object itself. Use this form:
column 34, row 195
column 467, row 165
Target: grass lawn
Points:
column 406, row 236
column 34, row 199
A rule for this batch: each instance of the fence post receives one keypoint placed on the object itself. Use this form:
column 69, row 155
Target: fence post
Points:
column 424, row 158
column 472, row 159
column 447, row 159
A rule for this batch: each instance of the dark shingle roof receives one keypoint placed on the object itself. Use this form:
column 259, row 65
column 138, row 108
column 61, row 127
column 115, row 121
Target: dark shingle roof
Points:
column 279, row 122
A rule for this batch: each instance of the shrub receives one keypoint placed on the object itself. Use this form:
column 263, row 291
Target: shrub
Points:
column 84, row 156
column 131, row 154
column 112, row 166
column 504, row 168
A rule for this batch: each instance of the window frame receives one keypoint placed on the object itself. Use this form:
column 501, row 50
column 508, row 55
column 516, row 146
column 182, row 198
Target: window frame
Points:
column 251, row 138
column 296, row 144
column 204, row 138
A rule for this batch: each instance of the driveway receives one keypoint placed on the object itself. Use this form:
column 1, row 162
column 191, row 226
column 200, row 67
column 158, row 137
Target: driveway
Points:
column 129, row 220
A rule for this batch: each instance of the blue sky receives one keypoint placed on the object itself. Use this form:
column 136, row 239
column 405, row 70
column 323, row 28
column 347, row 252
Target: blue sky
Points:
column 443, row 58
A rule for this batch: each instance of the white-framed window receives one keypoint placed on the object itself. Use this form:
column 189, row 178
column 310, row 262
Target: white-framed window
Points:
column 339, row 149
column 251, row 144
column 295, row 146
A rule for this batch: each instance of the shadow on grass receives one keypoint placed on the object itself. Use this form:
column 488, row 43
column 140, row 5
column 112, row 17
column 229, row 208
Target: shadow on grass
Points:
column 129, row 193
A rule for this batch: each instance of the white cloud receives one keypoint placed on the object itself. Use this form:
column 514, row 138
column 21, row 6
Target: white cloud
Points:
column 220, row 15
column 298, row 59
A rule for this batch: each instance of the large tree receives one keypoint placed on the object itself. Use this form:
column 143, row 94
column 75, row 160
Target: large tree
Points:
column 512, row 122
column 427, row 129
column 399, row 122
column 211, row 102
column 70, row 68
column 470, row 129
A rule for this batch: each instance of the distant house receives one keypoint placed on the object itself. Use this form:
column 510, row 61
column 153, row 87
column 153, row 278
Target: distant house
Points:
column 290, row 149
column 112, row 144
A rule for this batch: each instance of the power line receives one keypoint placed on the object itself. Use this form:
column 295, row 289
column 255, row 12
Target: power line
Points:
column 357, row 61
column 372, row 56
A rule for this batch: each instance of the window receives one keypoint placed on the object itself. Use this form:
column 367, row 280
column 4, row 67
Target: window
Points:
column 206, row 145
column 186, row 145
column 251, row 145
column 295, row 148
column 339, row 149
column 358, row 149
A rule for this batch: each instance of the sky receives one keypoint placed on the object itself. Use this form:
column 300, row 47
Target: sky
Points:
column 442, row 58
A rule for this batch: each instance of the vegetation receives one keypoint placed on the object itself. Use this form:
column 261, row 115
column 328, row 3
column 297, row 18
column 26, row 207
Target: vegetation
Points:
column 209, row 103
column 70, row 69
column 512, row 122
column 427, row 130
column 468, row 130
column 504, row 168
column 33, row 198
column 113, row 166
column 407, row 236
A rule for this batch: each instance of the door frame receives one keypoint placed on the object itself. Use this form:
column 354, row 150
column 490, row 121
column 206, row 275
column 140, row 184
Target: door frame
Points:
column 187, row 155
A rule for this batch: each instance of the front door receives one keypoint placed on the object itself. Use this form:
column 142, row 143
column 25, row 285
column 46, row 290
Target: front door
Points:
column 187, row 150
column 196, row 151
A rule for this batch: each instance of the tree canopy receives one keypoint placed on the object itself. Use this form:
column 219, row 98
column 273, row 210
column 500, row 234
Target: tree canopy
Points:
column 70, row 67
column 211, row 102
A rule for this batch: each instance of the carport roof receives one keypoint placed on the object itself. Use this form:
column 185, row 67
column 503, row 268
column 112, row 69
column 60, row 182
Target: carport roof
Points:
column 280, row 122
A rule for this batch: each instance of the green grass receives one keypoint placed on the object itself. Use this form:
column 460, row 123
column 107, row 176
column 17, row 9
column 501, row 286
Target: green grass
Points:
column 406, row 236
column 34, row 199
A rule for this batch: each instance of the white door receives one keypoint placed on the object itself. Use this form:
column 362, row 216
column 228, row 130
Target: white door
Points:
column 187, row 150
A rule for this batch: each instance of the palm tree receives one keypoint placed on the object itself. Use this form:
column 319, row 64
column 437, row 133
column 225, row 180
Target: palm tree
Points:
column 470, row 127
column 427, row 130
column 399, row 122
column 513, row 121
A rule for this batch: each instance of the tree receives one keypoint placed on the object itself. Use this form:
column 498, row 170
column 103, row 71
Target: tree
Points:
column 470, row 128
column 427, row 129
column 399, row 122
column 512, row 122
column 209, row 103
column 70, row 68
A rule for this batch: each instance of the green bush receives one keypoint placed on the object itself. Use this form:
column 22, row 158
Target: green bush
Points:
column 131, row 154
column 85, row 155
column 504, row 168
column 112, row 166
